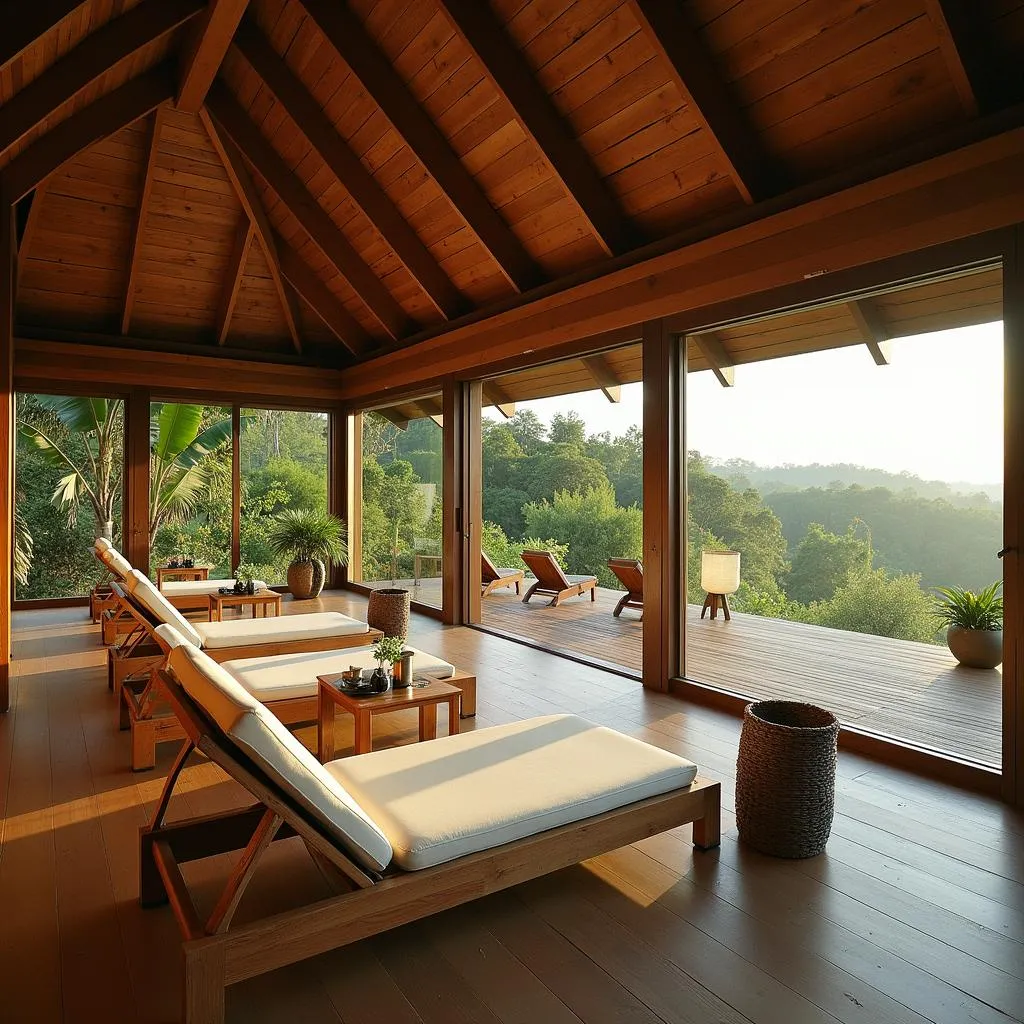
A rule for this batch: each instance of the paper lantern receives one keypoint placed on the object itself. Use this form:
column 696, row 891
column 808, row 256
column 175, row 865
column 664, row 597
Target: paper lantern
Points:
column 720, row 571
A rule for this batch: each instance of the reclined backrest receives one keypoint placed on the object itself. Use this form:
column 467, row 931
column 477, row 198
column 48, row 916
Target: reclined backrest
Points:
column 159, row 608
column 286, row 763
column 112, row 559
column 101, row 544
column 543, row 565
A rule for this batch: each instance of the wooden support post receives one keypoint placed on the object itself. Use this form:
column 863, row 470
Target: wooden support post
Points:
column 354, row 494
column 337, row 482
column 236, row 488
column 8, row 265
column 454, row 516
column 135, row 500
column 472, row 498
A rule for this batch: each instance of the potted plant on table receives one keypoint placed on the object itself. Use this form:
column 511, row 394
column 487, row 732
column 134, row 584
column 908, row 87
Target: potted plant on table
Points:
column 311, row 539
column 974, row 623
column 386, row 651
column 245, row 578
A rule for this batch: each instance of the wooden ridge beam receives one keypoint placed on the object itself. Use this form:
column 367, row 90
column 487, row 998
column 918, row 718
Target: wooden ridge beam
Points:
column 360, row 184
column 516, row 81
column 24, row 23
column 722, row 364
column 346, row 34
column 603, row 376
column 331, row 240
column 233, row 277
column 92, row 57
column 104, row 117
column 204, row 51
column 248, row 195
column 499, row 398
column 872, row 329
column 968, row 57
column 140, row 219
column 673, row 38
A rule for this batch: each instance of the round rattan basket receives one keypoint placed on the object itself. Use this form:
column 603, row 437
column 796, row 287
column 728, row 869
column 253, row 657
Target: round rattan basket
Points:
column 786, row 778
column 388, row 611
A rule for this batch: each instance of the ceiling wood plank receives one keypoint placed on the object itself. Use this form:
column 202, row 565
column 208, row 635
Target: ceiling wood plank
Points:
column 140, row 219
column 603, row 376
column 107, row 115
column 24, row 23
column 872, row 329
column 236, row 123
column 968, row 57
column 94, row 56
column 499, row 398
column 722, row 364
column 514, row 78
column 348, row 169
column 31, row 227
column 248, row 195
column 204, row 50
column 667, row 29
column 346, row 34
column 233, row 277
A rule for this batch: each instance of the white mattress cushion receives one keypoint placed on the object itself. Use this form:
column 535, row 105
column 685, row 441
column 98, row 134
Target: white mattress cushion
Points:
column 171, row 637
column 194, row 588
column 102, row 544
column 278, row 629
column 158, row 606
column 113, row 559
column 288, row 676
column 282, row 758
column 446, row 798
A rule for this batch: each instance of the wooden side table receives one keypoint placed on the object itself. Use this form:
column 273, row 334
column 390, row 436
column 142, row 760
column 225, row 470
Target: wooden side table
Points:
column 262, row 601
column 179, row 574
column 426, row 697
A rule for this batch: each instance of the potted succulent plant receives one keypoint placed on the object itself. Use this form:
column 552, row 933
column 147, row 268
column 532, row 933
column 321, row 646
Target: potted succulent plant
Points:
column 974, row 623
column 387, row 650
column 311, row 539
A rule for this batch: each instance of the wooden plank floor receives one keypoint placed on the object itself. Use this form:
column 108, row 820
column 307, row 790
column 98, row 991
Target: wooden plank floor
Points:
column 916, row 912
column 911, row 691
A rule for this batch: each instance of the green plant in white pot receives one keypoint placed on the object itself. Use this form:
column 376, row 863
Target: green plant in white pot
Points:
column 974, row 624
column 311, row 539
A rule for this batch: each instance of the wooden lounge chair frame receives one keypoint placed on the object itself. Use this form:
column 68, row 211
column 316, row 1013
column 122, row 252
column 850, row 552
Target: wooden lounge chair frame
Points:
column 217, row 955
column 493, row 578
column 630, row 573
column 552, row 581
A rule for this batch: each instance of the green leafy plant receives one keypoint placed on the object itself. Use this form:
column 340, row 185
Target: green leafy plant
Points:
column 307, row 535
column 22, row 548
column 388, row 649
column 246, row 572
column 967, row 609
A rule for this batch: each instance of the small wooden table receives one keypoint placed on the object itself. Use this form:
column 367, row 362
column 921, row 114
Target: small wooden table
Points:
column 426, row 697
column 262, row 601
column 179, row 573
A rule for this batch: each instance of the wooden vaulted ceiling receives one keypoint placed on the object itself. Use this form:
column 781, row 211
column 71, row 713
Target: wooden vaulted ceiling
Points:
column 322, row 180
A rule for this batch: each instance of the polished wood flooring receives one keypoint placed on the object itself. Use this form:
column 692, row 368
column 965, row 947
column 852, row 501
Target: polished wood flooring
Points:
column 916, row 912
column 897, row 688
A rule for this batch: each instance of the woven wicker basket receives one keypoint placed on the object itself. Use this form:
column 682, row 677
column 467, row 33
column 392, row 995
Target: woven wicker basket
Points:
column 786, row 778
column 388, row 611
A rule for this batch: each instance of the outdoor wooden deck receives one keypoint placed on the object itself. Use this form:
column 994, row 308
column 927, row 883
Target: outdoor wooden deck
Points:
column 911, row 691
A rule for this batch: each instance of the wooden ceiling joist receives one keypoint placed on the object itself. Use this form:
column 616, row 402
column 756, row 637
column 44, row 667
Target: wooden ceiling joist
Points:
column 872, row 329
column 204, row 52
column 24, row 23
column 498, row 397
column 603, row 376
column 92, row 57
column 107, row 115
column 511, row 74
column 346, row 34
column 971, row 64
column 236, row 123
column 248, row 195
column 233, row 278
column 721, row 363
column 371, row 199
column 667, row 29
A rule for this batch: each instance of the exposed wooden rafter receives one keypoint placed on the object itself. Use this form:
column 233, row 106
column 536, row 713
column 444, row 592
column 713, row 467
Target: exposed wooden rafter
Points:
column 236, row 123
column 511, row 74
column 665, row 24
column 721, row 363
column 371, row 199
column 24, row 23
column 603, row 376
column 204, row 51
column 872, row 329
column 92, row 57
column 393, row 417
column 971, row 65
column 233, row 277
column 346, row 34
column 498, row 397
column 107, row 115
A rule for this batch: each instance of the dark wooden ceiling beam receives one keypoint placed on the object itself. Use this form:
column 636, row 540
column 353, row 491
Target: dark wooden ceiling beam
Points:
column 248, row 195
column 235, row 122
column 32, row 219
column 233, row 278
column 603, row 376
column 872, row 329
column 499, row 398
column 516, row 81
column 722, row 364
column 24, row 23
column 346, row 34
column 670, row 34
column 104, row 117
column 972, row 65
column 203, row 52
column 92, row 57
column 371, row 199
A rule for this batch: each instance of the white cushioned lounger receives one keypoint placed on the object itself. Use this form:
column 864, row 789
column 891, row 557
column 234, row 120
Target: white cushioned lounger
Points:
column 200, row 588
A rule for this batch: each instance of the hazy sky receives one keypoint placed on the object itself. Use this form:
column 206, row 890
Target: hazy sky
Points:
column 936, row 410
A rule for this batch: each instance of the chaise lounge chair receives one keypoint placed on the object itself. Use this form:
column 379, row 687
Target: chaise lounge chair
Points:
column 493, row 578
column 405, row 832
column 552, row 582
column 630, row 572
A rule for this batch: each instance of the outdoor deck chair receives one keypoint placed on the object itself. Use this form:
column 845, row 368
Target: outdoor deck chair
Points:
column 552, row 582
column 492, row 578
column 403, row 833
column 630, row 573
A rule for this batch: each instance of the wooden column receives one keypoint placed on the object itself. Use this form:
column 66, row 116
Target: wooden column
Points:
column 454, row 518
column 353, row 483
column 135, row 497
column 8, row 265
column 236, row 487
column 472, row 498
column 663, row 447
